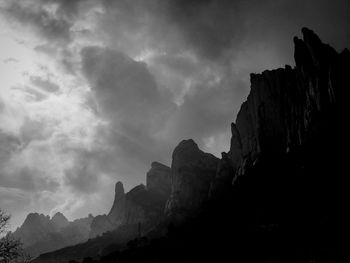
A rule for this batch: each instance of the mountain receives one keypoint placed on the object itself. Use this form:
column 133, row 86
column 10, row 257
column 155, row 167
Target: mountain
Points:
column 132, row 215
column 59, row 221
column 278, row 195
column 141, row 205
column 158, row 179
column 193, row 170
column 40, row 234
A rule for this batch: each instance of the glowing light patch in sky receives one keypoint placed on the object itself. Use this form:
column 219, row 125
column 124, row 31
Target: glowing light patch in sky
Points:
column 46, row 122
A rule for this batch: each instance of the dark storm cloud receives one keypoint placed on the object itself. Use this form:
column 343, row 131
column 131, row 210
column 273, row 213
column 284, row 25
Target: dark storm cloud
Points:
column 209, row 27
column 213, row 27
column 118, row 80
column 128, row 97
column 231, row 38
column 221, row 29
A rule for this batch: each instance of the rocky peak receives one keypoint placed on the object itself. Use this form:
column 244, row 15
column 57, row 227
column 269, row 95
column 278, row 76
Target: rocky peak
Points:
column 235, row 153
column 59, row 221
column 283, row 105
column 225, row 172
column 34, row 228
column 119, row 190
column 186, row 150
column 135, row 192
column 35, row 219
column 158, row 179
column 157, row 165
column 192, row 173
column 115, row 214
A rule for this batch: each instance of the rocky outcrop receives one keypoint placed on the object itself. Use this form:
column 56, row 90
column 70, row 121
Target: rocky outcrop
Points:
column 224, row 175
column 100, row 225
column 116, row 214
column 40, row 234
column 192, row 173
column 34, row 229
column 227, row 167
column 59, row 221
column 283, row 106
column 141, row 205
column 235, row 153
column 115, row 217
column 158, row 179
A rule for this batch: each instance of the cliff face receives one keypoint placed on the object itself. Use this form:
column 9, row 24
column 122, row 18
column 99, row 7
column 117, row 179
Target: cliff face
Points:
column 192, row 172
column 284, row 105
column 59, row 221
column 40, row 234
column 158, row 179
column 117, row 211
column 100, row 225
column 115, row 217
column 35, row 228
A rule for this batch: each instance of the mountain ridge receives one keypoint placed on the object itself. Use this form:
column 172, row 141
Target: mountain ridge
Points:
column 39, row 233
column 269, row 194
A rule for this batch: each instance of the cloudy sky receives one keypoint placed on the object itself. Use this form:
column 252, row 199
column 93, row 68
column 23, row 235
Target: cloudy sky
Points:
column 91, row 92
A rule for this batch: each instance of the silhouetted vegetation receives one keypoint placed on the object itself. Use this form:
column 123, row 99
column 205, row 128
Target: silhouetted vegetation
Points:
column 10, row 248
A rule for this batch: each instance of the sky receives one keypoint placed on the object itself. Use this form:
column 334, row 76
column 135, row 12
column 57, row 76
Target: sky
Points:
column 92, row 92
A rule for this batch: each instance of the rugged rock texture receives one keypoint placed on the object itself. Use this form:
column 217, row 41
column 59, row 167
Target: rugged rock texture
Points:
column 117, row 212
column 100, row 225
column 133, row 214
column 283, row 107
column 192, row 172
column 220, row 186
column 235, row 153
column 159, row 179
column 115, row 217
column 59, row 221
column 40, row 234
column 35, row 228
column 141, row 205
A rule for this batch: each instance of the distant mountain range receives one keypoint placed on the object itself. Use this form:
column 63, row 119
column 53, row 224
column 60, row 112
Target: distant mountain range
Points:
column 40, row 233
column 142, row 204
